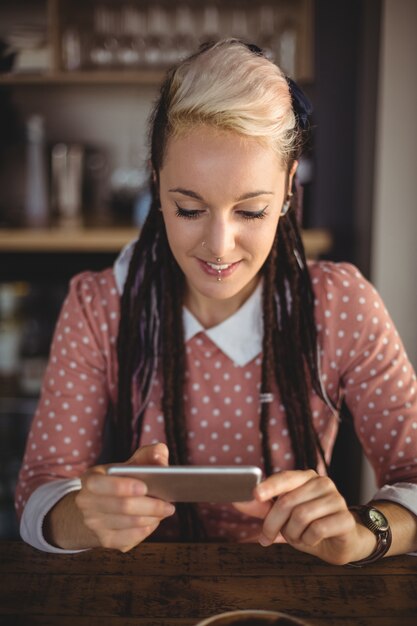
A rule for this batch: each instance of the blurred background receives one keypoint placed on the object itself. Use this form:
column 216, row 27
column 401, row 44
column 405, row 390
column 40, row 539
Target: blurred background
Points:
column 77, row 80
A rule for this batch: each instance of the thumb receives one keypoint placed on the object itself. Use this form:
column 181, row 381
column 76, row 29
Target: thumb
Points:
column 155, row 454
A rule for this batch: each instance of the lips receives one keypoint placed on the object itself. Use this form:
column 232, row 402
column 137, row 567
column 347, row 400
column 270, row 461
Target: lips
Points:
column 218, row 269
column 219, row 266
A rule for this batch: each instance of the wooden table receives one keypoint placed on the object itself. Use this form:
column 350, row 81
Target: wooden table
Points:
column 178, row 584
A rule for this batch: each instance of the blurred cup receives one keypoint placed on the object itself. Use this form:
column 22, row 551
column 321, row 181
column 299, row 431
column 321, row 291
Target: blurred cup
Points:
column 67, row 180
column 252, row 618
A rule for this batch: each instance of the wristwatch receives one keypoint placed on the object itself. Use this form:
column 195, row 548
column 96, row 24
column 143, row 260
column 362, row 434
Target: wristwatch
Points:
column 376, row 521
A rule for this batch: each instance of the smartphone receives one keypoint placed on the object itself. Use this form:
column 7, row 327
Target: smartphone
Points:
column 198, row 483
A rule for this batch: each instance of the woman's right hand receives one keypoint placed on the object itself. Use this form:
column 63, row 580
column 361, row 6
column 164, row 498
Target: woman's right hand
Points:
column 116, row 509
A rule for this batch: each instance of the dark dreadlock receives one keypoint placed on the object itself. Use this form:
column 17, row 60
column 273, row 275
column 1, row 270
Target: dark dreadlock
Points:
column 151, row 335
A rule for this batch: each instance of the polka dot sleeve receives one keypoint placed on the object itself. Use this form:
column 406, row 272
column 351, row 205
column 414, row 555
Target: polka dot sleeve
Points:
column 365, row 363
column 66, row 433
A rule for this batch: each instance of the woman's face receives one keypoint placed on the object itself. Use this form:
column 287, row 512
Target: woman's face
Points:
column 221, row 198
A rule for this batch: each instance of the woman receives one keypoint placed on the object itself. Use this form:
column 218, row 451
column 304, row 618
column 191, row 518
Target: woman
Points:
column 225, row 347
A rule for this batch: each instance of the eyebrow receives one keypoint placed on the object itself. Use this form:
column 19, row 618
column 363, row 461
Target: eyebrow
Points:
column 245, row 196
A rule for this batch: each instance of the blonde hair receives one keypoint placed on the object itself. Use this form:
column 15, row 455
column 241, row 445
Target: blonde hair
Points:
column 230, row 87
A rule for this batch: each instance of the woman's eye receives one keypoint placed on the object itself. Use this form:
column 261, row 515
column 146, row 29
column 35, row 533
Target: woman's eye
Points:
column 187, row 213
column 191, row 214
column 253, row 215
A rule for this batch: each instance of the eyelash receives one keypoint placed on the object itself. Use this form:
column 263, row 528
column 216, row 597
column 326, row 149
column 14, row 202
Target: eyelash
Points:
column 194, row 214
column 189, row 215
column 250, row 215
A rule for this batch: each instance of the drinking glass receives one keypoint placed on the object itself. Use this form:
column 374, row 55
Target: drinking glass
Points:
column 105, row 46
column 253, row 617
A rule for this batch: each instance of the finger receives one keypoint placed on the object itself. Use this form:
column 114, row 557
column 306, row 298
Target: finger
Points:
column 120, row 522
column 147, row 531
column 335, row 526
column 284, row 508
column 152, row 507
column 312, row 491
column 117, row 486
column 125, row 540
column 307, row 513
column 253, row 508
column 281, row 482
column 96, row 479
column 155, row 454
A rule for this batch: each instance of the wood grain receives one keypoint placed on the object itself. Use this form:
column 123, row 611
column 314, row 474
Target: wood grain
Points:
column 178, row 584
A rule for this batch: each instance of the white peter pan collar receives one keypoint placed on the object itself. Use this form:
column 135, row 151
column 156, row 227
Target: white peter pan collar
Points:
column 239, row 336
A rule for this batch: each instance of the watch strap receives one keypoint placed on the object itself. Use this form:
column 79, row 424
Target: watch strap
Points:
column 383, row 536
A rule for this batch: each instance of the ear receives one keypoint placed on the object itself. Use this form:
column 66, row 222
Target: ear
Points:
column 291, row 175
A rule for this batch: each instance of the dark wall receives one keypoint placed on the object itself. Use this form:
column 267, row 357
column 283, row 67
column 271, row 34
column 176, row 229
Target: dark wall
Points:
column 346, row 71
column 345, row 92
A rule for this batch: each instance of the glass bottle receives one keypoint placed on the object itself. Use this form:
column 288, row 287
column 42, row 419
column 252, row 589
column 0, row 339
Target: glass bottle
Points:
column 183, row 42
column 131, row 42
column 72, row 50
column 158, row 42
column 36, row 193
column 106, row 37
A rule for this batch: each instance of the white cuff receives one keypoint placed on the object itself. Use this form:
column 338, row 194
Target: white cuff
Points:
column 401, row 493
column 39, row 504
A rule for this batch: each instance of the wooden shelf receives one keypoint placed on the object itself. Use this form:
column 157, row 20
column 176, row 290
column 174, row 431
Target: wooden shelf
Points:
column 61, row 15
column 66, row 240
column 316, row 241
column 115, row 77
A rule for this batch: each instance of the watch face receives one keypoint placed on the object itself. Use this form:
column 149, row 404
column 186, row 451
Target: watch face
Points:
column 378, row 519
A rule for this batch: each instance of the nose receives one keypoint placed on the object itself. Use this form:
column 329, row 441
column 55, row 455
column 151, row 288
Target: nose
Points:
column 220, row 237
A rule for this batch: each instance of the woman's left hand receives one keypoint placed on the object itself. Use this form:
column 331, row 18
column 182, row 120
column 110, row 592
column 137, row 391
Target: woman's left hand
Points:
column 310, row 514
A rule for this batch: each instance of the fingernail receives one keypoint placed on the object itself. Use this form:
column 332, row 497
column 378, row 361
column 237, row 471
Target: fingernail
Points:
column 160, row 457
column 264, row 541
column 139, row 489
column 169, row 509
column 261, row 493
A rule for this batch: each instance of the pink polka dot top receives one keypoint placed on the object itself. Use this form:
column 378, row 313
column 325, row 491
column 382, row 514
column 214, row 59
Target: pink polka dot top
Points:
column 362, row 362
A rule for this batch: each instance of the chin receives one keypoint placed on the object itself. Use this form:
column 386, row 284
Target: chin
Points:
column 219, row 290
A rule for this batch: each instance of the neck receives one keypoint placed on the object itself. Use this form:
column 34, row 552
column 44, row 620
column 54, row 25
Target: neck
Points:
column 211, row 312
